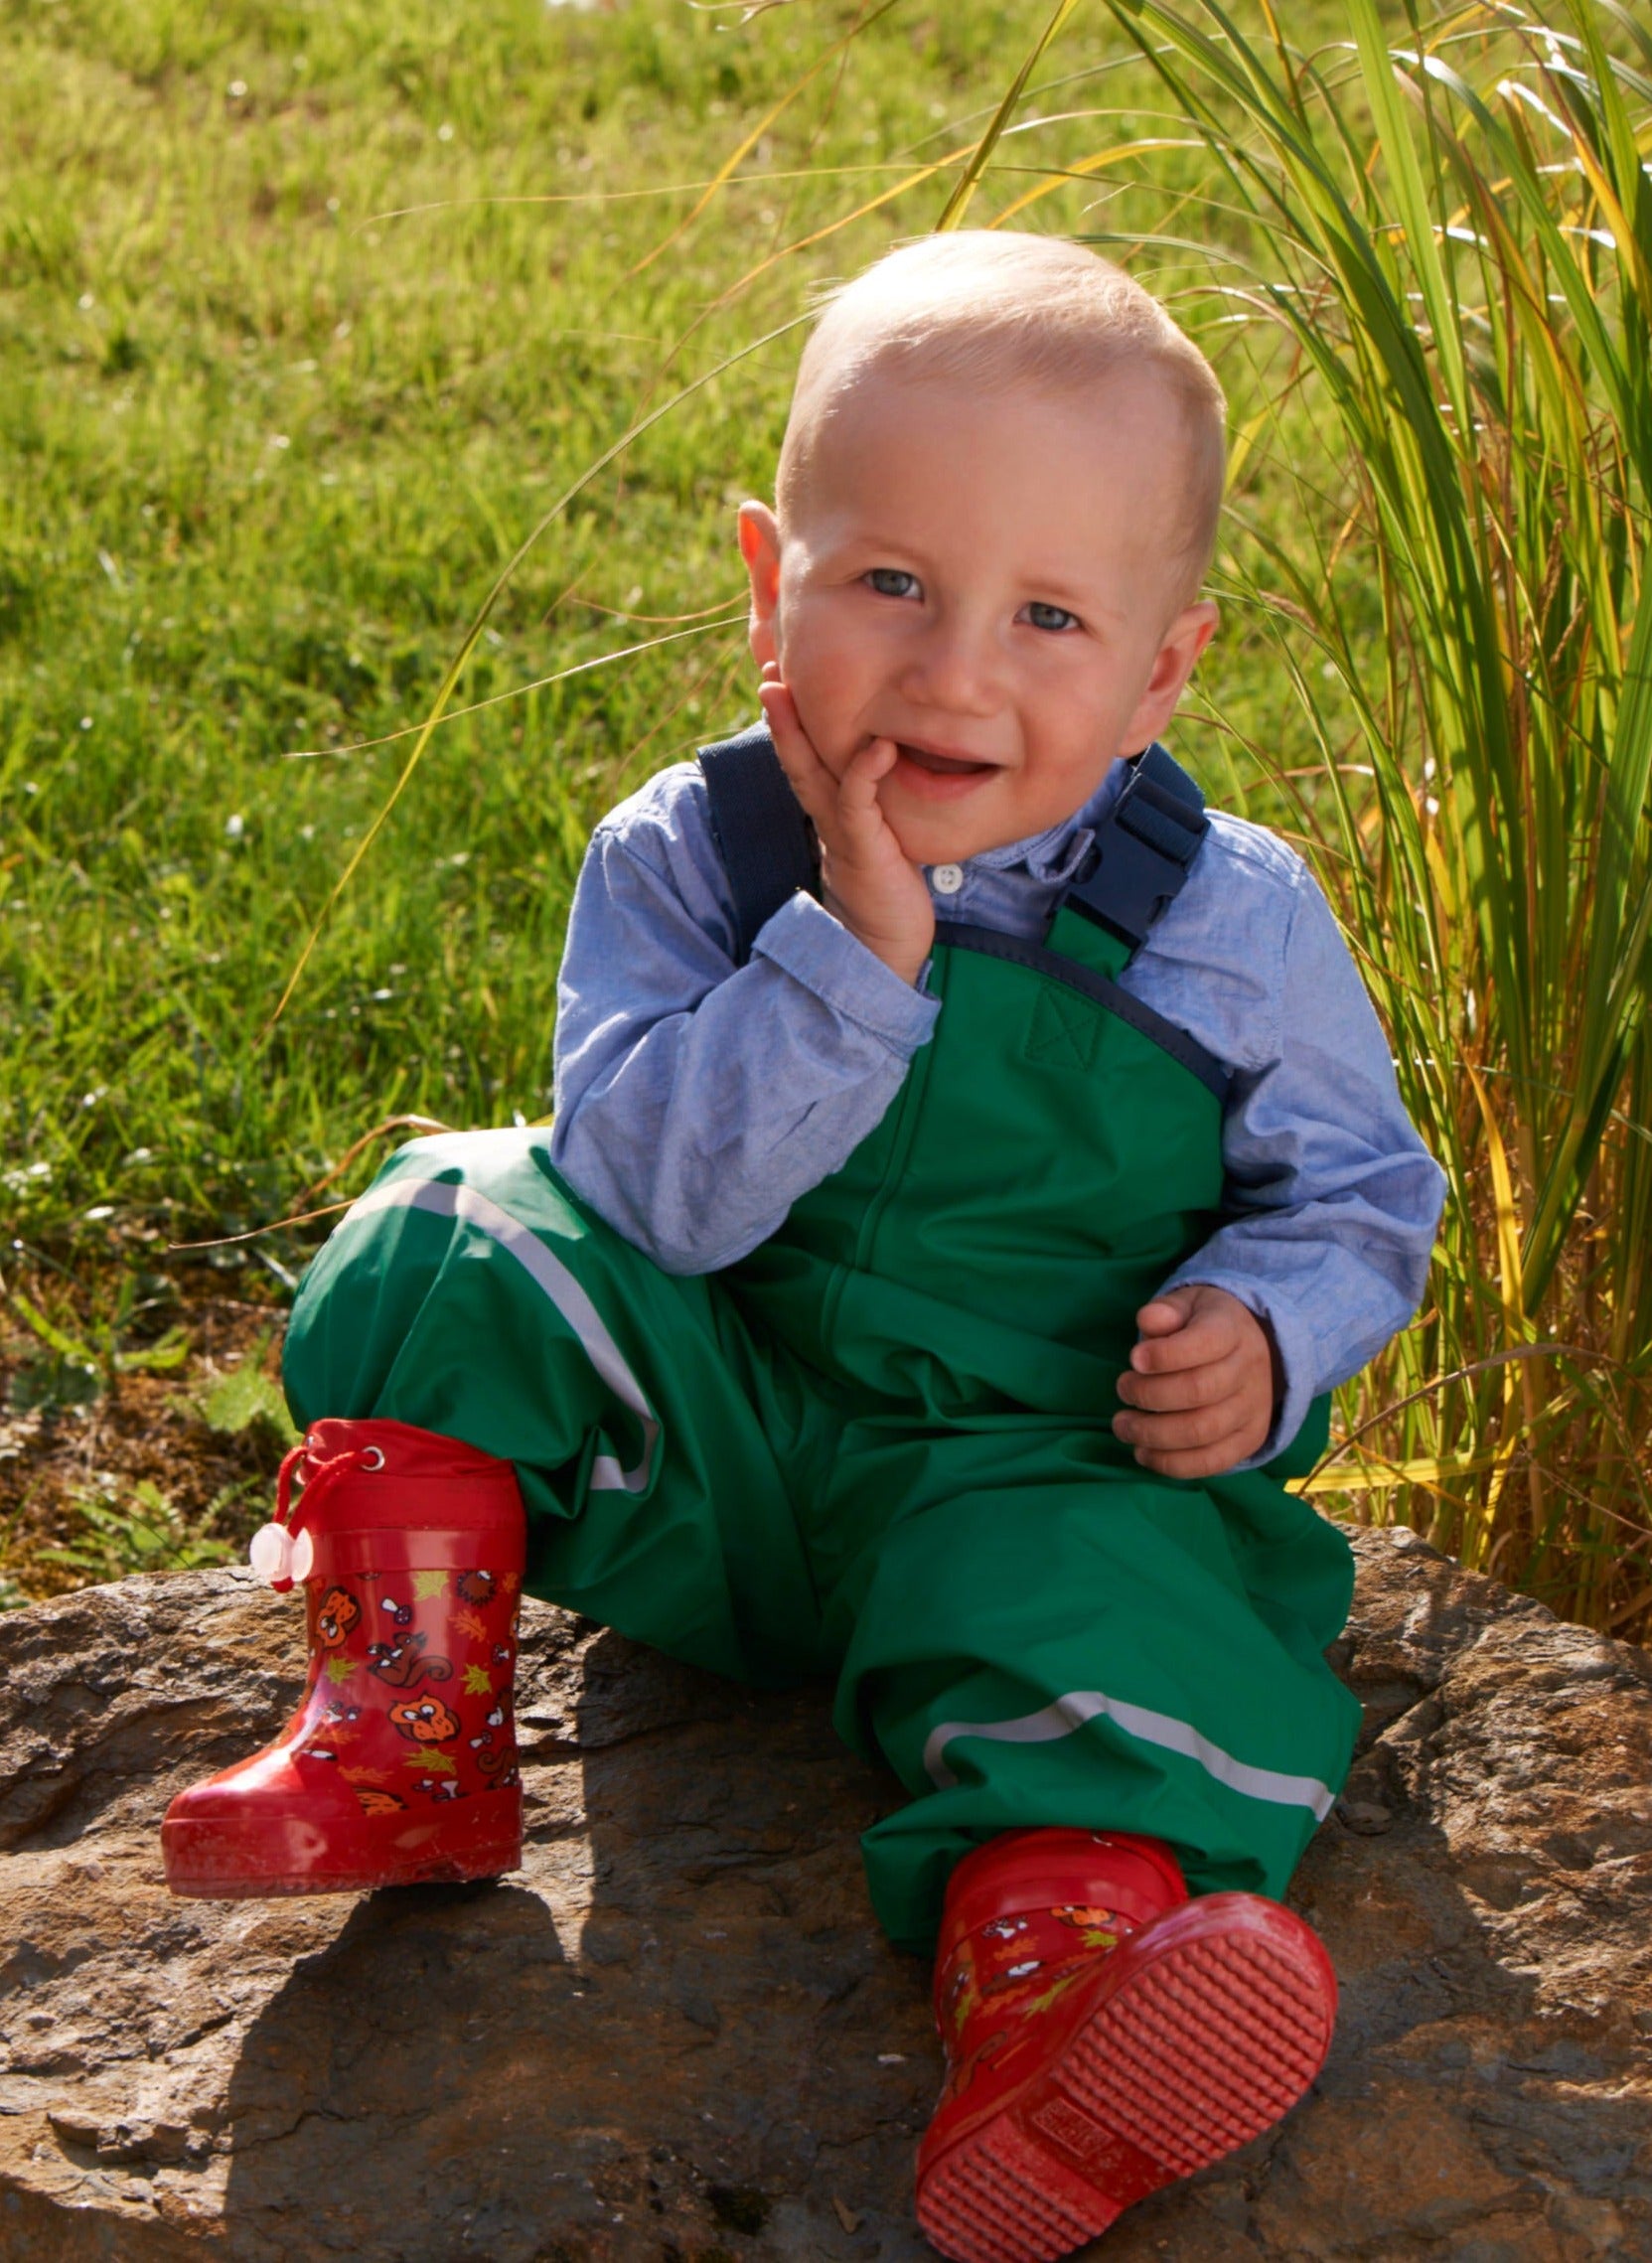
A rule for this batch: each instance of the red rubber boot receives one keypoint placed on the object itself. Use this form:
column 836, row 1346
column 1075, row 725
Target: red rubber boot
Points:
column 1104, row 2035
column 399, row 1767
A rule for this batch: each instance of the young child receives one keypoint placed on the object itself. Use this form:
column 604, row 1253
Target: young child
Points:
column 957, row 1206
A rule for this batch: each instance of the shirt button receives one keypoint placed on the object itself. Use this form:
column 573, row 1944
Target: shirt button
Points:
column 946, row 879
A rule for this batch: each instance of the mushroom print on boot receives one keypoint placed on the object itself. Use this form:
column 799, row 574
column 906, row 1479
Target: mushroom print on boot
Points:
column 400, row 1765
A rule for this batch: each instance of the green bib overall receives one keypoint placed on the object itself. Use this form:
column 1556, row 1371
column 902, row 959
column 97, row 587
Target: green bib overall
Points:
column 880, row 1447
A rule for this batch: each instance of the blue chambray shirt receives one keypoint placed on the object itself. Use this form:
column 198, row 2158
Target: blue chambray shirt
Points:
column 697, row 1101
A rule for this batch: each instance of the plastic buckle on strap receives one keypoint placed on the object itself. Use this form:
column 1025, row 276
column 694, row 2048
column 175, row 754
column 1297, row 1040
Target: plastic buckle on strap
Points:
column 1143, row 849
column 1164, row 820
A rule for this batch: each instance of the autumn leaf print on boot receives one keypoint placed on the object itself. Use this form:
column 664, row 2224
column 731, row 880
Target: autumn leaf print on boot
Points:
column 400, row 1765
column 1105, row 2034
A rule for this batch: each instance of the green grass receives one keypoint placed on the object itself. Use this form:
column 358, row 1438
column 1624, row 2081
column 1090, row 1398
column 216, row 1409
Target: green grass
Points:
column 306, row 324
column 263, row 451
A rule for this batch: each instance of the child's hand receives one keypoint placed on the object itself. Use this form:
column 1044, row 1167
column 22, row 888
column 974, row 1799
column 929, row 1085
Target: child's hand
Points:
column 1204, row 1374
column 867, row 881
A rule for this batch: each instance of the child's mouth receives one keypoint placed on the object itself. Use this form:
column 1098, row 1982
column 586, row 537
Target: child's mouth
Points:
column 940, row 776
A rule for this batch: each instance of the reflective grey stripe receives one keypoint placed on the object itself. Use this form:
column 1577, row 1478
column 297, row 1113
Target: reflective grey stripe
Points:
column 1079, row 1706
column 451, row 1198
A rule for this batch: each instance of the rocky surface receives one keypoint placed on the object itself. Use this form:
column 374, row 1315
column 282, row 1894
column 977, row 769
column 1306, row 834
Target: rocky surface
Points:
column 677, row 2033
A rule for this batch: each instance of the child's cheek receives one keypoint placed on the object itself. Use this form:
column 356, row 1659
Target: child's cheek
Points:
column 813, row 705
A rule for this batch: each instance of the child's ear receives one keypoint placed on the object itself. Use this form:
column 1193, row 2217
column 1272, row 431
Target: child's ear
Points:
column 1182, row 643
column 760, row 547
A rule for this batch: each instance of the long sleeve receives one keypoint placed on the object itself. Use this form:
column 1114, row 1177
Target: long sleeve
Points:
column 1335, row 1199
column 695, row 1100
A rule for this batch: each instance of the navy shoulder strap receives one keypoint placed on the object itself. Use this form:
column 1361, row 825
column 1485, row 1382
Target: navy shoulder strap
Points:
column 1145, row 845
column 766, row 842
column 1144, row 848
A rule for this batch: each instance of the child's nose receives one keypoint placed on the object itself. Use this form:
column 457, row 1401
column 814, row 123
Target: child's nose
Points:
column 955, row 668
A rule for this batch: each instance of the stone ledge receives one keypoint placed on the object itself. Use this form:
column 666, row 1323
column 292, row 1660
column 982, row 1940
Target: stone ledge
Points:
column 677, row 2032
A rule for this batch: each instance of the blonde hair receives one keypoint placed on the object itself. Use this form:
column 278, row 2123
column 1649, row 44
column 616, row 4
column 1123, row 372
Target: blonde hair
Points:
column 996, row 308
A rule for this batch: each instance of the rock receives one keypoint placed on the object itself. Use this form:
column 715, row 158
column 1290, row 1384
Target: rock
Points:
column 677, row 2032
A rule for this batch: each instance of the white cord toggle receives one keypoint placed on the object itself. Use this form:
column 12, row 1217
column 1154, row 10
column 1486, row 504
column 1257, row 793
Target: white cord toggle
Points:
column 271, row 1554
column 281, row 1557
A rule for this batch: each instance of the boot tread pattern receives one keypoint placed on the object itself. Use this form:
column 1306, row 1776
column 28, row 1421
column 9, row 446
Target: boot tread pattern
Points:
column 1197, row 2054
column 983, row 2205
column 1201, row 2052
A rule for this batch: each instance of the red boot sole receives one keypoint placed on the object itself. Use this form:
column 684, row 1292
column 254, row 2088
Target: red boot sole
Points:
column 1210, row 2038
column 253, row 1856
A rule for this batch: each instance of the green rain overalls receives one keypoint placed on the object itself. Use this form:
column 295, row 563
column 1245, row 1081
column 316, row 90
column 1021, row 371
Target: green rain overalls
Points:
column 879, row 1447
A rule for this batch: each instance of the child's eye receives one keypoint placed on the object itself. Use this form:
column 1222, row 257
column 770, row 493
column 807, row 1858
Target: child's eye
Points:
column 892, row 581
column 1042, row 616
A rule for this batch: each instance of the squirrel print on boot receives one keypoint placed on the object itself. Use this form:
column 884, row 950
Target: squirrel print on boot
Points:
column 426, row 1721
column 404, row 1664
column 337, row 1612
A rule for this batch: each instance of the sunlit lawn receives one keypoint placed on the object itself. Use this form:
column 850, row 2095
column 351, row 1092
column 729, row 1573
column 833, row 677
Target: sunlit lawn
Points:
column 264, row 449
column 309, row 316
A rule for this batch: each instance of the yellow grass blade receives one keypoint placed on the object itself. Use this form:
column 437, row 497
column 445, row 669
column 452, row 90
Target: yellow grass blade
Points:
column 1507, row 1217
column 743, row 282
column 1244, row 441
column 517, row 692
column 732, row 164
column 1440, row 874
column 652, row 192
column 957, row 204
column 457, row 665
column 1375, row 1473
column 1384, row 1477
column 1086, row 168
column 1623, row 230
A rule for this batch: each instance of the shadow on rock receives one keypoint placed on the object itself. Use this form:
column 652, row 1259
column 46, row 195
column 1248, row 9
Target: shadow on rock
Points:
column 676, row 2034
column 385, row 2100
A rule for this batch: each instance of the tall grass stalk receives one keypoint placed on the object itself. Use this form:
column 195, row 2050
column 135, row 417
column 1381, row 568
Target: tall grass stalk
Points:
column 1460, row 270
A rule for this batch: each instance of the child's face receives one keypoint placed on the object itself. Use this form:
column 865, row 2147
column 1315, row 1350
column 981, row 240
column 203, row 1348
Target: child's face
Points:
column 983, row 579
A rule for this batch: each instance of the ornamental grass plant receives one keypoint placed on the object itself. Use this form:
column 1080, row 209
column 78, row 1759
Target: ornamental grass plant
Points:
column 1458, row 288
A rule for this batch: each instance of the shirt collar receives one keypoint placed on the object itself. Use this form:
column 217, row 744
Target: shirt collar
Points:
column 1057, row 854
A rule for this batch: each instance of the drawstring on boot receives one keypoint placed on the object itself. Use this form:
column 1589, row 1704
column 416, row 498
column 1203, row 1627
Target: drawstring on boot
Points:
column 282, row 1552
